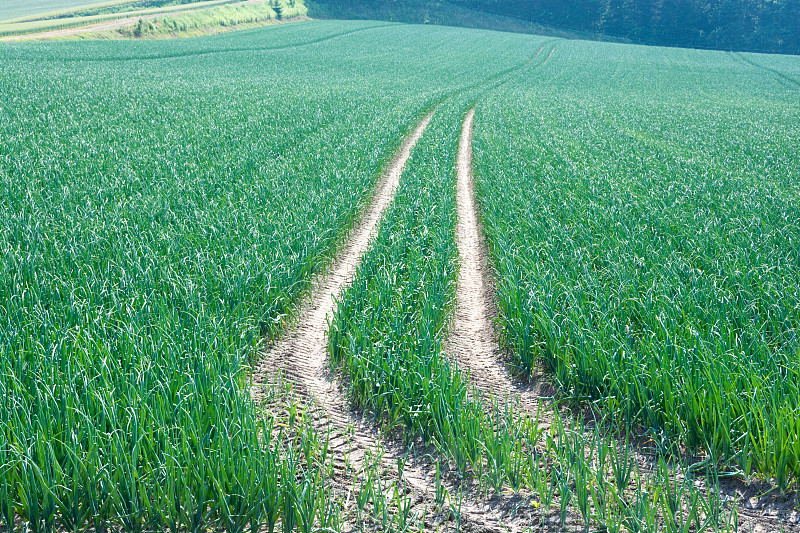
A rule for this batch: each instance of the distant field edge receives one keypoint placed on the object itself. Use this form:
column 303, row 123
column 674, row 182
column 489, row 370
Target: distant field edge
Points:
column 76, row 8
column 183, row 20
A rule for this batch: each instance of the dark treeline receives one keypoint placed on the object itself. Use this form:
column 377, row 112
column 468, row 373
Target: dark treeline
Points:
column 742, row 25
column 759, row 25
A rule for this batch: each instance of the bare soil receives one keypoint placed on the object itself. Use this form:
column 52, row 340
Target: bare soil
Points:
column 472, row 338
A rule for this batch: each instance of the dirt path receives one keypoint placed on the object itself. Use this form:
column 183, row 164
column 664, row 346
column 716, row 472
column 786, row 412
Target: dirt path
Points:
column 473, row 340
column 97, row 27
column 302, row 354
column 474, row 344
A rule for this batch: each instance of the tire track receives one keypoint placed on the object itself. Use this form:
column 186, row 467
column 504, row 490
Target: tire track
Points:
column 302, row 354
column 198, row 53
column 780, row 77
column 300, row 358
column 473, row 340
column 474, row 344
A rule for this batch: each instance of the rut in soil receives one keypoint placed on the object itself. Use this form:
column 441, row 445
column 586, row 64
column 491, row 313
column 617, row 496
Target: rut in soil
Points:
column 300, row 358
column 472, row 337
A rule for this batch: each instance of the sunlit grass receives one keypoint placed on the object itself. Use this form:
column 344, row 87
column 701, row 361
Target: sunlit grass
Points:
column 643, row 226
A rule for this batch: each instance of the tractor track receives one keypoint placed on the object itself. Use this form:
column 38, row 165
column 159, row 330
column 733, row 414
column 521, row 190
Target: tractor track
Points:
column 787, row 81
column 199, row 53
column 300, row 358
column 473, row 340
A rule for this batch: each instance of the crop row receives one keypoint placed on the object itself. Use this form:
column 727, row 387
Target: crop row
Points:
column 387, row 339
column 164, row 205
column 642, row 221
column 389, row 325
column 160, row 218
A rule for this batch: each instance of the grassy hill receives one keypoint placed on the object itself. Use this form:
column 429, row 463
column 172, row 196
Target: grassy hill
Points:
column 151, row 18
column 44, row 10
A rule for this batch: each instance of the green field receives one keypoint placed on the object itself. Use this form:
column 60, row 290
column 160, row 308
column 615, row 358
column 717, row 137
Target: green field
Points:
column 665, row 278
column 164, row 207
column 13, row 9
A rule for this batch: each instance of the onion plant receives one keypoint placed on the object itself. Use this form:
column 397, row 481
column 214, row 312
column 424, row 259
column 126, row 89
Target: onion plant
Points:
column 163, row 205
column 642, row 223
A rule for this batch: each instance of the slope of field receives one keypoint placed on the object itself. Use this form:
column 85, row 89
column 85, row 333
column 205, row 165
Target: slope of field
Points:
column 165, row 207
column 390, row 323
column 147, row 247
column 388, row 328
column 641, row 207
column 160, row 217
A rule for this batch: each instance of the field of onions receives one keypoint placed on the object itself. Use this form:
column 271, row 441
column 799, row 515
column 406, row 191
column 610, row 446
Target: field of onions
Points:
column 389, row 326
column 166, row 208
column 641, row 207
column 163, row 207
